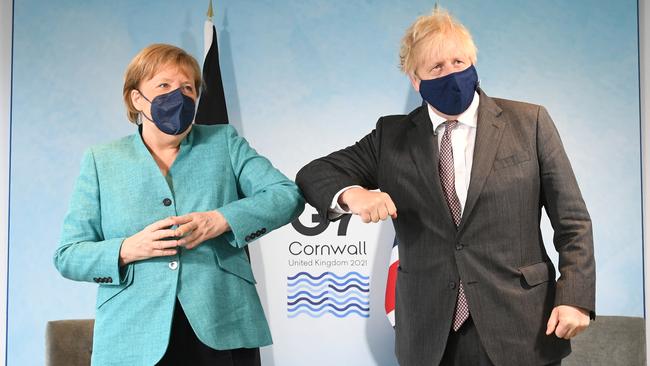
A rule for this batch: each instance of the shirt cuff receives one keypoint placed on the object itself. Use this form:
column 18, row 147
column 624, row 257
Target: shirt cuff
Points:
column 335, row 210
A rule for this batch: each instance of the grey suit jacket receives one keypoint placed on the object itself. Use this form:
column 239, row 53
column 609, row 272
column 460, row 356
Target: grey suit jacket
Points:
column 519, row 167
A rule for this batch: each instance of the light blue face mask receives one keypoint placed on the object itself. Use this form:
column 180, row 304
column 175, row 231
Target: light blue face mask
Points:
column 172, row 112
column 451, row 94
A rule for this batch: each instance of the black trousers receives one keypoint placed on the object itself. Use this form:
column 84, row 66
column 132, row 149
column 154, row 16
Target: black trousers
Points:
column 464, row 348
column 186, row 349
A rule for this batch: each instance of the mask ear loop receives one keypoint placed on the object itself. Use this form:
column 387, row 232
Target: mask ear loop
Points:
column 141, row 112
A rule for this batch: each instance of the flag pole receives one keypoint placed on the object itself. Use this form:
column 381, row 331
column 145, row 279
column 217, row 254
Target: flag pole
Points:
column 207, row 30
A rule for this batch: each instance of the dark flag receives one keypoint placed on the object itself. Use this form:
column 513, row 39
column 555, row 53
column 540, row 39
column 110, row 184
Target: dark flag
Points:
column 212, row 104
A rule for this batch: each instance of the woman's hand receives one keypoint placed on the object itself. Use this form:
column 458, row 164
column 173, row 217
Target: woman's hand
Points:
column 193, row 229
column 150, row 242
column 197, row 227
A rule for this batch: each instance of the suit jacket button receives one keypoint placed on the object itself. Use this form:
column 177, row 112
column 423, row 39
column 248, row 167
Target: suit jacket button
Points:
column 459, row 246
column 95, row 279
column 258, row 232
column 173, row 265
column 110, row 280
column 263, row 230
column 167, row 202
column 452, row 285
column 247, row 238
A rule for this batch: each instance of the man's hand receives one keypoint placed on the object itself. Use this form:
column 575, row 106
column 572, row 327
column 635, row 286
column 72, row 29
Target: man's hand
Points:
column 371, row 206
column 567, row 321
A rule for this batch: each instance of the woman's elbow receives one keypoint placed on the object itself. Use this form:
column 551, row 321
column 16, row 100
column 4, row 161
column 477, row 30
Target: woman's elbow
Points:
column 61, row 261
column 297, row 201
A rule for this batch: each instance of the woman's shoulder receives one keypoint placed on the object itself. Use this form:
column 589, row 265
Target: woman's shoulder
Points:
column 212, row 132
column 123, row 144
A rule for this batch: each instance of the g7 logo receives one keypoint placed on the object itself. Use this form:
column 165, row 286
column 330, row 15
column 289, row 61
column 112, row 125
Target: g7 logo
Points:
column 321, row 225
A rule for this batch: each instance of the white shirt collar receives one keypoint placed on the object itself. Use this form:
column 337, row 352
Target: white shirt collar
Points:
column 469, row 117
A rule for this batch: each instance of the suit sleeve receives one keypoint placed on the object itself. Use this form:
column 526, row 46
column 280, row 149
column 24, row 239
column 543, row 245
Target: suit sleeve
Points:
column 84, row 254
column 356, row 165
column 268, row 200
column 573, row 238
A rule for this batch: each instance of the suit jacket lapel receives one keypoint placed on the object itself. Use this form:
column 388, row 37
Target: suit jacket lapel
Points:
column 424, row 152
column 489, row 130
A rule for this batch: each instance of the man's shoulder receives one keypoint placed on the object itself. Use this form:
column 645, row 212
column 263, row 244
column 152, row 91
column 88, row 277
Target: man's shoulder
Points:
column 510, row 106
column 517, row 114
column 399, row 120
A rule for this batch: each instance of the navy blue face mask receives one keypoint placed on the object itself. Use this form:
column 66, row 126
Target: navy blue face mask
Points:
column 451, row 94
column 172, row 112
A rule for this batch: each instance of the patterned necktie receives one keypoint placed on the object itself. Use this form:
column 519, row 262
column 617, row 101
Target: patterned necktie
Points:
column 446, row 170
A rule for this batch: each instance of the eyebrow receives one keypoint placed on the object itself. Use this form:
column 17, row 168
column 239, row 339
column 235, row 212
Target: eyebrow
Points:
column 168, row 80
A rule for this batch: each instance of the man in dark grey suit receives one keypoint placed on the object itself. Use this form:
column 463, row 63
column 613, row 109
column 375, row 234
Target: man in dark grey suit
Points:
column 464, row 178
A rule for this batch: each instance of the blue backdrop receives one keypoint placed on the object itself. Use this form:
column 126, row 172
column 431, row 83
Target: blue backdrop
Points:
column 303, row 78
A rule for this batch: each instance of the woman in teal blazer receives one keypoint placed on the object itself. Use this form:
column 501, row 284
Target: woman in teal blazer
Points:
column 160, row 219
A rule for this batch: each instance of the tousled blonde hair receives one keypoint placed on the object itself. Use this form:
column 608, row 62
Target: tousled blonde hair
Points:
column 148, row 62
column 432, row 32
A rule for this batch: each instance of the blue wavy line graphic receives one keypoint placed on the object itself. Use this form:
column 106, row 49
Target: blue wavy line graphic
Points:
column 306, row 299
column 315, row 278
column 317, row 295
column 349, row 287
column 300, row 306
column 293, row 296
column 340, row 303
column 327, row 280
column 308, row 287
column 318, row 315
column 349, row 300
column 327, row 292
column 313, row 289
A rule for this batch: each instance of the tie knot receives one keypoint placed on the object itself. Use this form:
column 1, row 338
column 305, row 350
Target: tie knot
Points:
column 450, row 125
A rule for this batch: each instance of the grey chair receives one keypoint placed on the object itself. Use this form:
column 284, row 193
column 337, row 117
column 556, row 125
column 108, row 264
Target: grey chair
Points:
column 69, row 342
column 610, row 341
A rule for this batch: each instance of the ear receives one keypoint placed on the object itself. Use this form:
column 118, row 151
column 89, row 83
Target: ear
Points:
column 415, row 82
column 137, row 100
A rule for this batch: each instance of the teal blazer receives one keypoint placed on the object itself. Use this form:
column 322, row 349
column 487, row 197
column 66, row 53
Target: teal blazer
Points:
column 120, row 190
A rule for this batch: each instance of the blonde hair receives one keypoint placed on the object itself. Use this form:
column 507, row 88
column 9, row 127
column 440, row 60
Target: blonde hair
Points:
column 148, row 62
column 431, row 32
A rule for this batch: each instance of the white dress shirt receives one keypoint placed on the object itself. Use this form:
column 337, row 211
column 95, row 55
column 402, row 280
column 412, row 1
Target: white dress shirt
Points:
column 463, row 138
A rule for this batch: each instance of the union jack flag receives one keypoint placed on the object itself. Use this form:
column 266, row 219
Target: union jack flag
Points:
column 389, row 303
